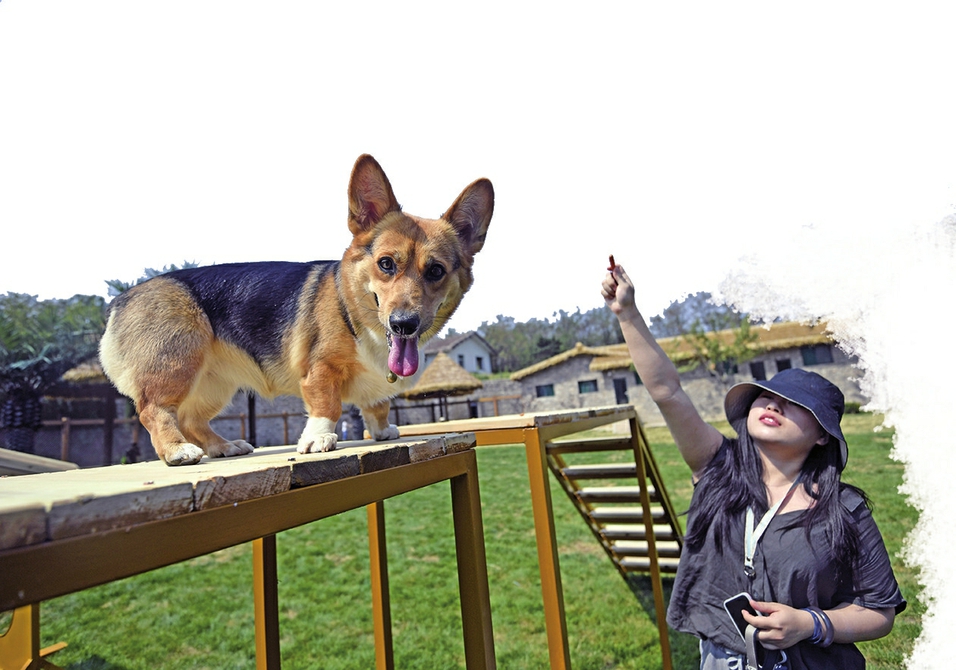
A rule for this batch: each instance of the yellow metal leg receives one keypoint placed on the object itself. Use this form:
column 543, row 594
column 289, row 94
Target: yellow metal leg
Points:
column 20, row 645
column 551, row 589
column 472, row 570
column 265, row 589
column 381, row 605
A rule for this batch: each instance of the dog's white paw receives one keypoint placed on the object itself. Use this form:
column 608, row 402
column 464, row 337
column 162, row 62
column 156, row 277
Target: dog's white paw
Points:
column 389, row 432
column 318, row 435
column 317, row 443
column 183, row 454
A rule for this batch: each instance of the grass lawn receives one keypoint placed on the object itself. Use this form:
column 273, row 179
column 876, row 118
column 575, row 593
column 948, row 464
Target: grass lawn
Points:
column 199, row 614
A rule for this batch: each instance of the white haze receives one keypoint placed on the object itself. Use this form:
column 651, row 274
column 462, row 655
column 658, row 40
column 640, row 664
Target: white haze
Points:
column 886, row 296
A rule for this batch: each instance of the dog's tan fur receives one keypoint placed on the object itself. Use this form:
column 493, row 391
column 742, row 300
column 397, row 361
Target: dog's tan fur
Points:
column 399, row 281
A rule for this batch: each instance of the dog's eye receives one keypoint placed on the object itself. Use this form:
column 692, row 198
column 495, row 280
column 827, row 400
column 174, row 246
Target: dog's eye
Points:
column 435, row 272
column 386, row 265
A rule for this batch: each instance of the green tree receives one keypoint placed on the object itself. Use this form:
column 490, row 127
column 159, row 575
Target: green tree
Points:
column 117, row 286
column 517, row 343
column 39, row 341
column 593, row 328
column 520, row 344
column 696, row 311
column 720, row 338
column 720, row 352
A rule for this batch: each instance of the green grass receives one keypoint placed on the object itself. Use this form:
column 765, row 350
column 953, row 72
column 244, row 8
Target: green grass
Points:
column 199, row 614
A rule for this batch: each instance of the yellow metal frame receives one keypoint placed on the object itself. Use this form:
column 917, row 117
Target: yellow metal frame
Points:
column 20, row 645
column 534, row 431
column 657, row 585
column 35, row 573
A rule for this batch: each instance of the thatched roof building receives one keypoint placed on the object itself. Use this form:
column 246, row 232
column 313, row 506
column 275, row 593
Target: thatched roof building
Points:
column 776, row 336
column 443, row 377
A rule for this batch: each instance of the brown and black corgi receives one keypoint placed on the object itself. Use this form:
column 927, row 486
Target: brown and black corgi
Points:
column 181, row 344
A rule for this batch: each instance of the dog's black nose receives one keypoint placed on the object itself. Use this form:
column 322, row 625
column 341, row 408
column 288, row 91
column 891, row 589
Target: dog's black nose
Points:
column 404, row 324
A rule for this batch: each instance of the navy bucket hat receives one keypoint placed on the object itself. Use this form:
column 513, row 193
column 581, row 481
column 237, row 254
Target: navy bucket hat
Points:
column 801, row 387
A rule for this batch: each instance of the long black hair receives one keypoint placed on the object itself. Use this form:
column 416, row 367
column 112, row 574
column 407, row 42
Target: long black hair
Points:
column 733, row 481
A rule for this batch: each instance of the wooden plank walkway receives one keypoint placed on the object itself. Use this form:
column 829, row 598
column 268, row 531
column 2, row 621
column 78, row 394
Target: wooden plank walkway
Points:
column 112, row 522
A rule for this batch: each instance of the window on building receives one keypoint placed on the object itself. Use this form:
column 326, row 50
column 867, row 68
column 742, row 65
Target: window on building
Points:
column 544, row 390
column 817, row 354
column 620, row 391
column 758, row 371
column 783, row 364
column 479, row 363
column 461, row 360
column 589, row 386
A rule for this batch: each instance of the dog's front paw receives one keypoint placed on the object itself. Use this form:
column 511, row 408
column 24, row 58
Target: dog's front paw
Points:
column 317, row 443
column 389, row 432
column 183, row 453
column 318, row 435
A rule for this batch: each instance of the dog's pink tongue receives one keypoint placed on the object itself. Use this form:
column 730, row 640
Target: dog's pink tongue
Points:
column 403, row 356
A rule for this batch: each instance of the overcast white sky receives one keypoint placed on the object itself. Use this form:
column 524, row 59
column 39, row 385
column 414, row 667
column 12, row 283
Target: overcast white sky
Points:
column 677, row 137
column 694, row 141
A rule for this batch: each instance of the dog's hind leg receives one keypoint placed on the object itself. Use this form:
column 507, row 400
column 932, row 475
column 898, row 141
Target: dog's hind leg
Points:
column 171, row 445
column 154, row 348
column 210, row 395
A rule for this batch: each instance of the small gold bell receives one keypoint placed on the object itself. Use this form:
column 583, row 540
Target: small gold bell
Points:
column 391, row 377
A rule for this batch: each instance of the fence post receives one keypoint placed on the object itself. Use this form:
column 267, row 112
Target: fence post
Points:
column 64, row 438
column 109, row 416
column 251, row 402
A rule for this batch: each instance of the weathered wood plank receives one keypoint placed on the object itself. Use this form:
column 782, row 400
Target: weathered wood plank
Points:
column 665, row 549
column 226, row 481
column 383, row 457
column 308, row 472
column 22, row 526
column 427, row 449
column 458, row 442
column 95, row 513
column 621, row 494
column 601, row 471
column 625, row 514
column 562, row 420
column 57, row 505
column 114, row 554
column 84, row 501
column 17, row 463
column 637, row 532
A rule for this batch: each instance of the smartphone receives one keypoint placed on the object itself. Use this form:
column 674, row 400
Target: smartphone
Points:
column 735, row 605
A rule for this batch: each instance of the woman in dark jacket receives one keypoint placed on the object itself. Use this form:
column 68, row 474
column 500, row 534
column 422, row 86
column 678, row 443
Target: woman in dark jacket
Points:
column 769, row 517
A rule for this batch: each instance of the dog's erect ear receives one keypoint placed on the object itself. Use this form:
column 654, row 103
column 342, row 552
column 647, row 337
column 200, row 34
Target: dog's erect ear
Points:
column 370, row 195
column 471, row 214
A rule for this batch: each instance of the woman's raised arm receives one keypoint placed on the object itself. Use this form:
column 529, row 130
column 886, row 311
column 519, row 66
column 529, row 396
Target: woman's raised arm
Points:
column 696, row 439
